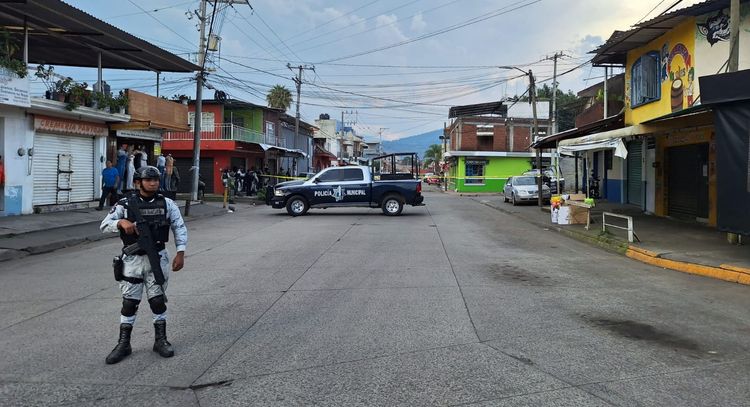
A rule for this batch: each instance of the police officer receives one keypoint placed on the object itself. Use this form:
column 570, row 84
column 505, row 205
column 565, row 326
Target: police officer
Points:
column 161, row 214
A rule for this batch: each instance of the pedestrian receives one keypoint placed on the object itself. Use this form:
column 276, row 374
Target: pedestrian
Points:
column 110, row 181
column 135, row 269
column 171, row 179
column 122, row 163
column 240, row 180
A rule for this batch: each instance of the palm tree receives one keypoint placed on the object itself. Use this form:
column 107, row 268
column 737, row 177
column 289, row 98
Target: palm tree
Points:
column 279, row 97
column 433, row 155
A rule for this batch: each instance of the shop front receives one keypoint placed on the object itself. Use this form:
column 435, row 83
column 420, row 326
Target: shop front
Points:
column 486, row 171
column 66, row 158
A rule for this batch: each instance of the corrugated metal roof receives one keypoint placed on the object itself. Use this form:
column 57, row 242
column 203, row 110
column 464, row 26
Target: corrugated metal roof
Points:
column 614, row 51
column 60, row 34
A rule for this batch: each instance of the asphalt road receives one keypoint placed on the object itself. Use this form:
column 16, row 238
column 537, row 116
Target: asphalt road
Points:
column 453, row 303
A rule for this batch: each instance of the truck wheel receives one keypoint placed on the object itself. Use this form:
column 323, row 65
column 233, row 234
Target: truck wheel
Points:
column 392, row 205
column 296, row 206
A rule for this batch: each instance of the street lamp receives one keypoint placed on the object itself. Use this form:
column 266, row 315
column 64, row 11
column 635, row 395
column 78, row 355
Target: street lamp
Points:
column 532, row 100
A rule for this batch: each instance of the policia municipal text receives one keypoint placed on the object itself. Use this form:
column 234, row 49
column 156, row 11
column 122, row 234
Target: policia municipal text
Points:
column 143, row 220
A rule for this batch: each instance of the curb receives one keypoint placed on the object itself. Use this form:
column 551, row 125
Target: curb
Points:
column 725, row 272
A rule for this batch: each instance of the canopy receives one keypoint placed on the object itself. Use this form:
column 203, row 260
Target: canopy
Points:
column 601, row 141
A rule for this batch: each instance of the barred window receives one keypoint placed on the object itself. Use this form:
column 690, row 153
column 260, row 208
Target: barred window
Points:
column 644, row 80
column 475, row 172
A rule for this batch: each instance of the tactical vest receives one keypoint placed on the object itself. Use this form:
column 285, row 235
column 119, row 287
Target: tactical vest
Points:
column 154, row 212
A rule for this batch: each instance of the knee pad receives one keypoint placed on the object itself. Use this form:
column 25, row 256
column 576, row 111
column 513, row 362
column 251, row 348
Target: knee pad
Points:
column 129, row 307
column 158, row 306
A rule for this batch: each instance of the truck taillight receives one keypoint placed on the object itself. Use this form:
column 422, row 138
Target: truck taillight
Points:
column 419, row 187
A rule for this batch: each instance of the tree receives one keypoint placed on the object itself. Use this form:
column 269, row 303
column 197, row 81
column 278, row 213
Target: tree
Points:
column 432, row 156
column 569, row 105
column 279, row 97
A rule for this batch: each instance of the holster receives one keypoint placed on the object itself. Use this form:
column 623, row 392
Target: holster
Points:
column 118, row 267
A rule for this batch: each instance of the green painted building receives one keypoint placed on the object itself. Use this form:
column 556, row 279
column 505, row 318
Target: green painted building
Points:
column 486, row 171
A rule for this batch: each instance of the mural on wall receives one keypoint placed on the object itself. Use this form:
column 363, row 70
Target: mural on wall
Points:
column 681, row 75
column 715, row 29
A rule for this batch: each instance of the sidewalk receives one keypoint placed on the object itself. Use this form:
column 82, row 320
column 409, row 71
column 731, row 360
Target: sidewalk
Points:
column 681, row 246
column 21, row 236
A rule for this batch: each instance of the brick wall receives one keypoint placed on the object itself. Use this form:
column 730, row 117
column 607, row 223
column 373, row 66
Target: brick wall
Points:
column 521, row 138
column 500, row 139
column 468, row 137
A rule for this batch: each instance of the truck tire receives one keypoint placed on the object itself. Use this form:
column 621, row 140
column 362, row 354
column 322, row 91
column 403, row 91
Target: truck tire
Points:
column 392, row 205
column 297, row 206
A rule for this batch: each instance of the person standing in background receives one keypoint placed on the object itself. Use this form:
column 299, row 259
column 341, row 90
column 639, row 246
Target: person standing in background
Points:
column 122, row 163
column 110, row 181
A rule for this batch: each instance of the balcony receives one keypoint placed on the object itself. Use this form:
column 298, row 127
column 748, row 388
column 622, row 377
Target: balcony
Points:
column 227, row 132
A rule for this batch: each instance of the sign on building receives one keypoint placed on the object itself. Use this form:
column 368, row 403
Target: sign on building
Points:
column 14, row 90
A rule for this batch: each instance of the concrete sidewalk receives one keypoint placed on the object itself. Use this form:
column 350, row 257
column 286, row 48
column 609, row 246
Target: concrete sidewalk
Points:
column 21, row 236
column 667, row 243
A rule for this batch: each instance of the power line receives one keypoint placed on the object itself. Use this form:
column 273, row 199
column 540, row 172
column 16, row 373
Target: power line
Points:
column 332, row 20
column 151, row 11
column 475, row 20
column 159, row 21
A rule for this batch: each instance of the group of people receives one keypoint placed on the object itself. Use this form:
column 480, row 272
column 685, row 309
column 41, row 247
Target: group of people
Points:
column 118, row 178
column 240, row 182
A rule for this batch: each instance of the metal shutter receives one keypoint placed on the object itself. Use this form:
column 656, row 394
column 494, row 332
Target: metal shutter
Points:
column 635, row 171
column 47, row 149
column 682, row 182
column 183, row 165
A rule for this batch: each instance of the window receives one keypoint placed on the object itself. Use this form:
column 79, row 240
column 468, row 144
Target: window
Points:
column 645, row 86
column 475, row 169
column 270, row 129
column 330, row 176
column 207, row 121
column 352, row 174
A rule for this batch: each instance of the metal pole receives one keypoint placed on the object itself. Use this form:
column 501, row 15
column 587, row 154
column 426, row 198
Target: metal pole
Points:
column 734, row 35
column 25, row 41
column 157, row 83
column 554, row 94
column 606, row 105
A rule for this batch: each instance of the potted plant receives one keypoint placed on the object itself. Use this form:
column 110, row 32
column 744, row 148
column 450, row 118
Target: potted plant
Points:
column 184, row 99
column 61, row 89
column 77, row 96
column 102, row 101
column 46, row 75
column 8, row 48
column 119, row 103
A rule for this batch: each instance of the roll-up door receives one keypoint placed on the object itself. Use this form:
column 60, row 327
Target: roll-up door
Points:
column 207, row 174
column 635, row 173
column 688, row 181
column 75, row 154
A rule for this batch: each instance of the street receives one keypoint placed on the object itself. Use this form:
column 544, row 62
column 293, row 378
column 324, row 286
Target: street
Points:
column 452, row 303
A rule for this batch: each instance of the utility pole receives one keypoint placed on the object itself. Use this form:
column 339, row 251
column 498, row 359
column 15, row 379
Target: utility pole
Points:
column 554, row 117
column 380, row 132
column 606, row 105
column 535, row 135
column 298, row 81
column 198, row 119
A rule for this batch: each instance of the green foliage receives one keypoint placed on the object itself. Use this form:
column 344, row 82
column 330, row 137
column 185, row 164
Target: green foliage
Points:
column 432, row 156
column 262, row 194
column 279, row 97
column 77, row 96
column 9, row 46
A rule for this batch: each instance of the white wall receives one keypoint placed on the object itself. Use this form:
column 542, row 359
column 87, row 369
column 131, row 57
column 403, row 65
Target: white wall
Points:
column 17, row 133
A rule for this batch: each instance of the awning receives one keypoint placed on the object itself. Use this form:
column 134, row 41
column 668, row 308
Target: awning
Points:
column 322, row 151
column 610, row 123
column 601, row 141
column 60, row 34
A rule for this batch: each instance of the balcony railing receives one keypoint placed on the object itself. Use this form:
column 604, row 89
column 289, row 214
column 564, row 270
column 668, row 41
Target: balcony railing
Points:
column 227, row 132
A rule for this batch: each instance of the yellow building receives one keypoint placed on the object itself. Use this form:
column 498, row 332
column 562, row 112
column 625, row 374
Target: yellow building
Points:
column 670, row 137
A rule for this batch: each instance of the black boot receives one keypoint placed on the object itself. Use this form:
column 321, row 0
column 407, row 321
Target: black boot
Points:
column 123, row 348
column 161, row 344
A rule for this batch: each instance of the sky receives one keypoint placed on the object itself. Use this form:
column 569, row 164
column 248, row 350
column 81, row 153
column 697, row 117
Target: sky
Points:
column 392, row 66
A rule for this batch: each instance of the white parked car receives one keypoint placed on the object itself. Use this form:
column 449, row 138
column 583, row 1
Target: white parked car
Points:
column 524, row 189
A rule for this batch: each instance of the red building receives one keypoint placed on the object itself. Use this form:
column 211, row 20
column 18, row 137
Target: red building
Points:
column 233, row 134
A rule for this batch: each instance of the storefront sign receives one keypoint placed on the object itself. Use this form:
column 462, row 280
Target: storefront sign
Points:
column 71, row 127
column 157, row 149
column 154, row 135
column 14, row 90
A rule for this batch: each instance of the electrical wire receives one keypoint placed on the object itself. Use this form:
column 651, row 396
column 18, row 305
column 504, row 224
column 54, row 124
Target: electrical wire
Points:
column 160, row 22
column 151, row 11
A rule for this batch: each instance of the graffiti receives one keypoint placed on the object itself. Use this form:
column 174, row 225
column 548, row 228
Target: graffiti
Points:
column 681, row 75
column 715, row 28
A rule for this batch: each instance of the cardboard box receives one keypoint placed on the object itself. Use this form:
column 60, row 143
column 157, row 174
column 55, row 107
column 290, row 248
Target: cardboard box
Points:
column 571, row 215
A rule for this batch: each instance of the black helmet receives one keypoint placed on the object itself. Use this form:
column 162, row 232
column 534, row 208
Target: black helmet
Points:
column 147, row 172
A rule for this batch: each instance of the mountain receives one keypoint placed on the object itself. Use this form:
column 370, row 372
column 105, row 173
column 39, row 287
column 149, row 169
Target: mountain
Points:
column 413, row 144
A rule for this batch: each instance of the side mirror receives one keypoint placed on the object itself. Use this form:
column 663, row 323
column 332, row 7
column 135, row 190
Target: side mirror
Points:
column 316, row 180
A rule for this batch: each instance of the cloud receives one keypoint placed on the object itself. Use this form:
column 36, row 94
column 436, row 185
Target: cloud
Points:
column 418, row 24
